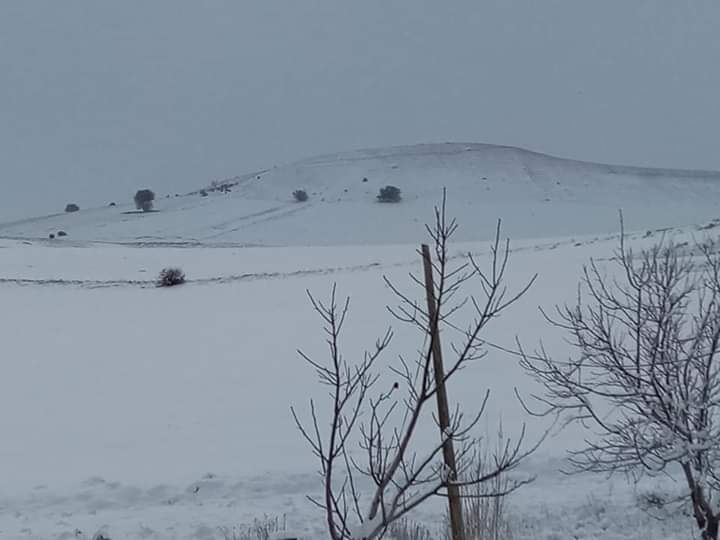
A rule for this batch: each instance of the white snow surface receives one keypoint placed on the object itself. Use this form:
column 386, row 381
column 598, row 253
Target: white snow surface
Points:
column 156, row 413
column 535, row 194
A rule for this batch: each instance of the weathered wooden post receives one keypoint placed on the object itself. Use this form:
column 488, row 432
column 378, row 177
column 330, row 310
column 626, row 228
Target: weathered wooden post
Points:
column 454, row 500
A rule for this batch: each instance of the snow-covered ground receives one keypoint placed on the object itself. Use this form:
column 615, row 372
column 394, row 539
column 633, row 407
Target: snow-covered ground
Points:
column 164, row 413
column 536, row 195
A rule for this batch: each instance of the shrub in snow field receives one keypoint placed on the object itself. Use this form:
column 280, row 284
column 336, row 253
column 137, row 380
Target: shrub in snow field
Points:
column 170, row 277
column 72, row 207
column 652, row 500
column 405, row 529
column 144, row 200
column 61, row 233
column 300, row 195
column 260, row 529
column 203, row 193
column 485, row 511
column 223, row 186
column 51, row 236
column 389, row 194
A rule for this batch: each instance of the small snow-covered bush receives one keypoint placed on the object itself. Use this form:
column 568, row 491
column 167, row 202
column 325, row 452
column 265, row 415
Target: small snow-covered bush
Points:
column 72, row 207
column 389, row 194
column 144, row 199
column 300, row 195
column 170, row 277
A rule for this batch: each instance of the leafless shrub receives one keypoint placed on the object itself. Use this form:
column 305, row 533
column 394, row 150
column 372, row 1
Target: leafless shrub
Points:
column 259, row 529
column 406, row 529
column 485, row 511
column 644, row 376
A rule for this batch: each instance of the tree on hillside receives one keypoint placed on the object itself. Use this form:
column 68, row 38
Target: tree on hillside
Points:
column 389, row 194
column 382, row 416
column 645, row 376
column 144, row 200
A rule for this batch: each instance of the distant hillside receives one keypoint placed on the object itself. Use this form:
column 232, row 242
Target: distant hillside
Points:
column 536, row 195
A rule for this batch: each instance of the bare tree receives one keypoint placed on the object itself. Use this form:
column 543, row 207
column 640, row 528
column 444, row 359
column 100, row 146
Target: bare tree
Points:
column 381, row 425
column 645, row 376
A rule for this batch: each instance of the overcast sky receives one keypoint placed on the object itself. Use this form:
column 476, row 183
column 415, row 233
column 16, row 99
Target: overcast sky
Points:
column 99, row 98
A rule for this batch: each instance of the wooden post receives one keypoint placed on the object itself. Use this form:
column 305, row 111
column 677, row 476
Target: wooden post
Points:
column 454, row 501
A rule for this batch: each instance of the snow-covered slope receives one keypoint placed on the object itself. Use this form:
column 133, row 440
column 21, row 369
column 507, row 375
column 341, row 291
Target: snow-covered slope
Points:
column 536, row 196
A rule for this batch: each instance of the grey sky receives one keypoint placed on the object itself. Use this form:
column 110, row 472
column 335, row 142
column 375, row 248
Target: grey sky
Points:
column 98, row 98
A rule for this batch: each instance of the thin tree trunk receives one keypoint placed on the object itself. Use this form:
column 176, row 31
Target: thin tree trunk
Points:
column 706, row 521
column 711, row 528
column 454, row 501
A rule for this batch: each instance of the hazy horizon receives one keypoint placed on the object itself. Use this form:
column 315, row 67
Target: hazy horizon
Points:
column 101, row 99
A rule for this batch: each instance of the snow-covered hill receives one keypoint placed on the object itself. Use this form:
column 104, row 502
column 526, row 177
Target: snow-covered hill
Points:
column 536, row 195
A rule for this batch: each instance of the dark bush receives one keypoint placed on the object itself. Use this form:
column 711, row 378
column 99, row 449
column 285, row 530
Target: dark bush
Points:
column 300, row 195
column 144, row 200
column 170, row 277
column 51, row 236
column 389, row 194
column 203, row 193
column 112, row 204
column 61, row 233
column 72, row 207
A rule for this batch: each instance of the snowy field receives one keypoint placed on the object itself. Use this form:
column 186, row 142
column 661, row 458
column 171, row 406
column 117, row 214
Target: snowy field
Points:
column 155, row 413
column 164, row 413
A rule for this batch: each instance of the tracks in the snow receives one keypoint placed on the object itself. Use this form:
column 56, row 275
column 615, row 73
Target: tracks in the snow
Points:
column 254, row 276
column 266, row 276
